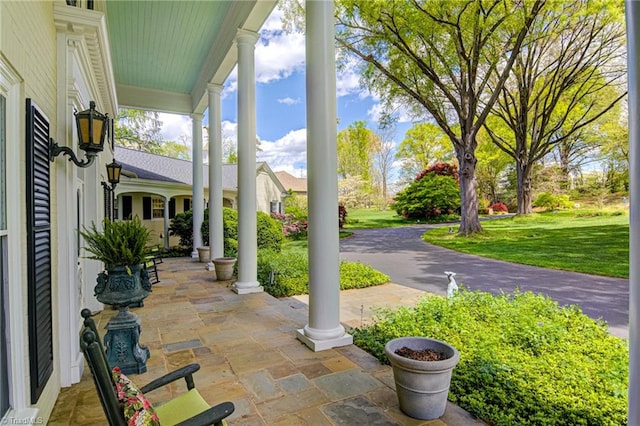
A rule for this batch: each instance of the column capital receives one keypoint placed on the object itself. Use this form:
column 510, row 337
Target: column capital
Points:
column 196, row 116
column 214, row 88
column 246, row 37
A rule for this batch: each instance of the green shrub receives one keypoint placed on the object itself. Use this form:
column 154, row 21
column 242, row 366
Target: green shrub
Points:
column 287, row 274
column 552, row 202
column 269, row 230
column 427, row 198
column 270, row 234
column 523, row 359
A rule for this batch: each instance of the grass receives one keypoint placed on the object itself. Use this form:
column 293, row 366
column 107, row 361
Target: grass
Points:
column 588, row 241
column 374, row 218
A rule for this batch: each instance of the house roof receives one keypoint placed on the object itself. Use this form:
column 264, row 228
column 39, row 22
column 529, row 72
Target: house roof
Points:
column 291, row 182
column 147, row 166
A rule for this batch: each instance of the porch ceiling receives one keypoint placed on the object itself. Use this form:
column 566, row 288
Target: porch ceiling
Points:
column 164, row 53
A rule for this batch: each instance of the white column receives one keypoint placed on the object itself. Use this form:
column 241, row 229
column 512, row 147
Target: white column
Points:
column 216, row 243
column 165, row 239
column 197, row 190
column 633, row 65
column 247, row 222
column 324, row 330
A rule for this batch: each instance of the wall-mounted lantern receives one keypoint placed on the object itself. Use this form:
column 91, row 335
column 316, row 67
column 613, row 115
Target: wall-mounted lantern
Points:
column 92, row 129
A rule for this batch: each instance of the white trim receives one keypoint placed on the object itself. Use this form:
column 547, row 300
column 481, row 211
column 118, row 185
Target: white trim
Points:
column 11, row 87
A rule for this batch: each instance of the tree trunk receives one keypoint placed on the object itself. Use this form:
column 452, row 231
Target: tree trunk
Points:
column 469, row 221
column 523, row 178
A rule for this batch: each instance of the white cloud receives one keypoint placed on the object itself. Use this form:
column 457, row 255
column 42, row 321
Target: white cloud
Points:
column 288, row 153
column 289, row 101
column 174, row 126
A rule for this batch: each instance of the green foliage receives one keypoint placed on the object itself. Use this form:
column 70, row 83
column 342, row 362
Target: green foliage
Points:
column 182, row 226
column 523, row 359
column 287, row 274
column 423, row 145
column 270, row 234
column 269, row 230
column 552, row 202
column 139, row 129
column 296, row 205
column 122, row 243
column 427, row 198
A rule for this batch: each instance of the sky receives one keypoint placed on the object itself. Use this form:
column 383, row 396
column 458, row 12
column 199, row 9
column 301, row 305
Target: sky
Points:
column 280, row 101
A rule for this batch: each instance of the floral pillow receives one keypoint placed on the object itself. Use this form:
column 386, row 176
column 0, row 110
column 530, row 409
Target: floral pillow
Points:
column 137, row 409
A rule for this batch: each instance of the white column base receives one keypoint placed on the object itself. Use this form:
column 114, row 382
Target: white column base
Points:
column 195, row 255
column 322, row 345
column 210, row 267
column 247, row 287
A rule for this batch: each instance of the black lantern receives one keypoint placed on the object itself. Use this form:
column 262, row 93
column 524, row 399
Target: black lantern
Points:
column 113, row 173
column 92, row 129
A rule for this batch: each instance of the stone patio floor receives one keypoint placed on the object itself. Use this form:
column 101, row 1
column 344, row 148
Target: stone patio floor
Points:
column 248, row 353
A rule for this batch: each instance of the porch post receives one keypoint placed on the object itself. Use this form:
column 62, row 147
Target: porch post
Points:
column 324, row 330
column 247, row 222
column 197, row 189
column 633, row 65
column 216, row 246
column 165, row 240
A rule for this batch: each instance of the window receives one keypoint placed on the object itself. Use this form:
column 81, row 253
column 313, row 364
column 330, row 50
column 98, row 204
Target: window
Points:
column 127, row 207
column 157, row 206
column 4, row 365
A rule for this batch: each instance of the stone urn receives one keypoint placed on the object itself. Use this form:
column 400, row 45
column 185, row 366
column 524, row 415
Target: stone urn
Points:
column 422, row 386
column 122, row 286
column 224, row 267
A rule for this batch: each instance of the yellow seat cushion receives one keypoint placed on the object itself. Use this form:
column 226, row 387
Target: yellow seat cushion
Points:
column 181, row 408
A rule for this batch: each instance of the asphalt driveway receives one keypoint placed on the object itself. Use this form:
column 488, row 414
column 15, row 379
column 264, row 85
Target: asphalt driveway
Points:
column 409, row 261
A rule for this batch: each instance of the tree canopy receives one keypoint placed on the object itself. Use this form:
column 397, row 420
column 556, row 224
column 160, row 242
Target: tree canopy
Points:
column 438, row 56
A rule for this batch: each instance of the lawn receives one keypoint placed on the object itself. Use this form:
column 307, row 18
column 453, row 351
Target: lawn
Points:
column 374, row 218
column 592, row 242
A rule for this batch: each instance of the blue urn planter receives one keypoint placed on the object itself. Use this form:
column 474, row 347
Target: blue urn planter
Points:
column 122, row 286
column 422, row 387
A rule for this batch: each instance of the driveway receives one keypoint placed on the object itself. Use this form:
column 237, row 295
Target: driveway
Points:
column 409, row 261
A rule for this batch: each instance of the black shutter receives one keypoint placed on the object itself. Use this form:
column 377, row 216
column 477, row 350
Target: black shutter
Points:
column 146, row 208
column 38, row 251
column 186, row 204
column 172, row 208
column 127, row 207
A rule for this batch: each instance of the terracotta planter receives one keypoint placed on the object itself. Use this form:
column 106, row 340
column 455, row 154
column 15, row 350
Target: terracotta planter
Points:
column 224, row 267
column 422, row 387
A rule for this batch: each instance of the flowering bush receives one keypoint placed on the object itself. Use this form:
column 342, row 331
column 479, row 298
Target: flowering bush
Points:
column 292, row 228
column 499, row 207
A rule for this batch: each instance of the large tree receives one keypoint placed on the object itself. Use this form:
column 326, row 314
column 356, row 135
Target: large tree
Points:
column 559, row 84
column 356, row 145
column 438, row 56
column 139, row 129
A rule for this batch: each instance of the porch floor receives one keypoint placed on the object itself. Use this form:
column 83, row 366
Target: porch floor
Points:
column 248, row 353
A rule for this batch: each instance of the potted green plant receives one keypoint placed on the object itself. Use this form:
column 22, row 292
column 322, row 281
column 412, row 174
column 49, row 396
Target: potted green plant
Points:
column 122, row 246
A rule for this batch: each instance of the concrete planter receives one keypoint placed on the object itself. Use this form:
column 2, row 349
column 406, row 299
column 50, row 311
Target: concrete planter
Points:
column 422, row 386
column 203, row 254
column 224, row 267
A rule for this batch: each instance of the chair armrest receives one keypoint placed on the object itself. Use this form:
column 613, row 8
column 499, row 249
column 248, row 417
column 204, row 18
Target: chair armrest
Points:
column 185, row 372
column 213, row 416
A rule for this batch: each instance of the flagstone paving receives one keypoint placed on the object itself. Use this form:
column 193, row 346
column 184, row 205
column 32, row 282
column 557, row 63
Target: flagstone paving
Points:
column 248, row 353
